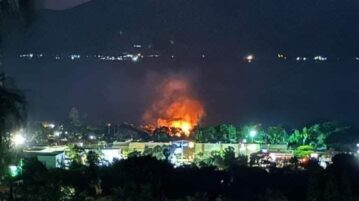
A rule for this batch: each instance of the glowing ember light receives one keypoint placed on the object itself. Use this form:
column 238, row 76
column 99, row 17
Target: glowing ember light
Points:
column 184, row 125
column 175, row 108
column 183, row 113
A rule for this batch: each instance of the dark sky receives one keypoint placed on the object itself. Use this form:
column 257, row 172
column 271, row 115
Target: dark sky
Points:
column 268, row 91
column 62, row 4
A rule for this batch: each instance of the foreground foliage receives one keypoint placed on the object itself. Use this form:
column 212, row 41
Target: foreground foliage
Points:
column 146, row 178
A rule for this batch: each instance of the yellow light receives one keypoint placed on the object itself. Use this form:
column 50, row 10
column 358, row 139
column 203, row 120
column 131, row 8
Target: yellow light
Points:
column 183, row 125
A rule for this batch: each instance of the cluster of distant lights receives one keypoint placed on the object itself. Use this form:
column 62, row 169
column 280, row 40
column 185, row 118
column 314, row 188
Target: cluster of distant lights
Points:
column 73, row 57
column 58, row 131
column 138, row 56
column 250, row 58
column 316, row 58
column 125, row 57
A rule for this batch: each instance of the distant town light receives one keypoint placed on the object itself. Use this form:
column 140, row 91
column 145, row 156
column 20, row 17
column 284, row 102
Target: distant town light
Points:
column 135, row 58
column 48, row 125
column 75, row 56
column 249, row 58
column 320, row 58
column 281, row 56
column 301, row 58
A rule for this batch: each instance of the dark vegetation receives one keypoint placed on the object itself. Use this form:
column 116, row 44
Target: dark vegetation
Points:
column 146, row 178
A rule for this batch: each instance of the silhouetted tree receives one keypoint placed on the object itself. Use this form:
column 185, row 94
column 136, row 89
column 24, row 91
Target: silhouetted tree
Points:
column 12, row 113
column 276, row 135
column 226, row 133
column 76, row 155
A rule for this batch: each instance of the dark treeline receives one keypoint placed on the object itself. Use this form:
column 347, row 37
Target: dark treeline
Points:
column 313, row 134
column 146, row 178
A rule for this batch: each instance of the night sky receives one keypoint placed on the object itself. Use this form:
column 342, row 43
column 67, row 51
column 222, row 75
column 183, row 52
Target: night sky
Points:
column 62, row 4
column 267, row 91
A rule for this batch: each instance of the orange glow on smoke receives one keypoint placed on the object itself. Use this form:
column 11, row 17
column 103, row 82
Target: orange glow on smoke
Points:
column 184, row 113
column 175, row 107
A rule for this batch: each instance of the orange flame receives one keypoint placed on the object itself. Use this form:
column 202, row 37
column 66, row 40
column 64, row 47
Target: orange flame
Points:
column 175, row 107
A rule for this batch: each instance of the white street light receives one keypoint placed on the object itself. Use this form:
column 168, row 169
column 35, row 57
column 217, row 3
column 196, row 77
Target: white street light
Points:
column 18, row 139
column 252, row 134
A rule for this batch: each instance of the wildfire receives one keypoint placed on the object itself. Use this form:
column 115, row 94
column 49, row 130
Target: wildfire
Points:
column 175, row 107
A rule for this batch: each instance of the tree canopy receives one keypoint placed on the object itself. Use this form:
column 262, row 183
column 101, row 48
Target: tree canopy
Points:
column 12, row 114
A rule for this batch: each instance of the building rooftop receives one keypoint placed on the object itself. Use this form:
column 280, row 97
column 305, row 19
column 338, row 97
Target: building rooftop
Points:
column 45, row 150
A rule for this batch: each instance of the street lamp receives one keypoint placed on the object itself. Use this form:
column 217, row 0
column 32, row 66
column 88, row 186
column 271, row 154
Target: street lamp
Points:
column 252, row 134
column 13, row 171
column 18, row 139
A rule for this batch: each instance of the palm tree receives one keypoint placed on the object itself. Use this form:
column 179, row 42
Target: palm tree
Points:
column 12, row 113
